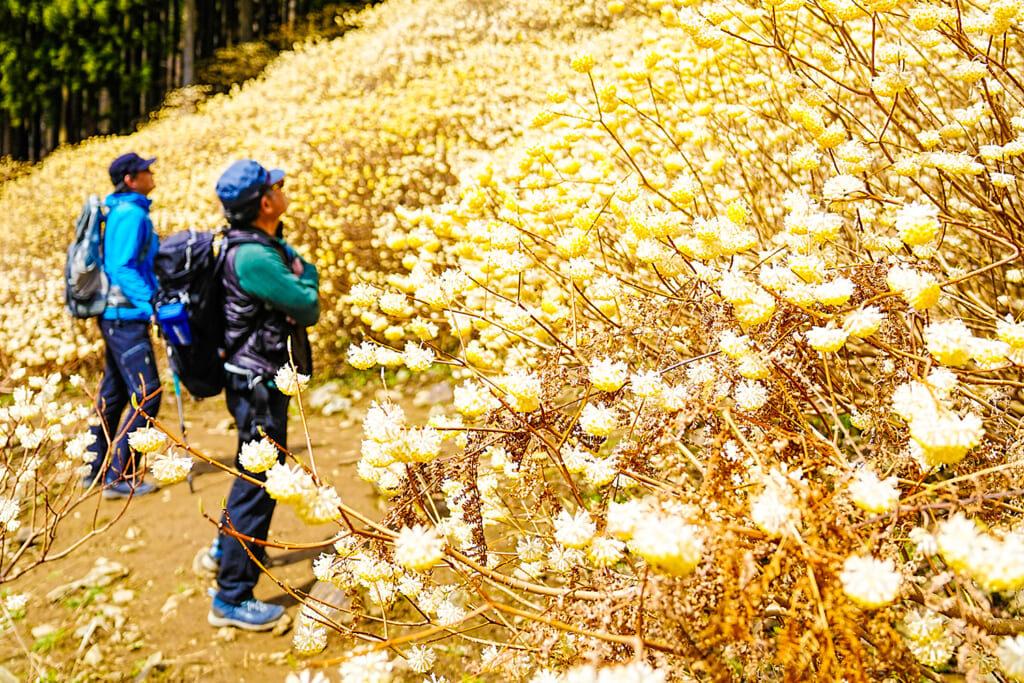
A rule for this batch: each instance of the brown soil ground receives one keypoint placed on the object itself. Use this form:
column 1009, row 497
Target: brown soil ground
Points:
column 150, row 624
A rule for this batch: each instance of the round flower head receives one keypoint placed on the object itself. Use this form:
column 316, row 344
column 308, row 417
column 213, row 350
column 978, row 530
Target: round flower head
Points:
column 420, row 659
column 147, row 440
column 917, row 223
column 1011, row 656
column 669, row 543
column 604, row 551
column 607, row 375
column 422, row 444
column 826, row 339
column 598, row 420
column 872, row 494
column 574, row 531
column 373, row 667
column 921, row 290
column 524, row 389
column 472, row 400
column 863, row 322
column 646, row 384
column 287, row 484
column 945, row 438
column 949, row 341
column 290, row 382
column 170, row 468
column 362, row 356
column 869, row 582
column 309, row 638
column 750, row 395
column 320, row 506
column 416, row 357
column 363, row 294
column 418, row 548
column 582, row 63
column 258, row 456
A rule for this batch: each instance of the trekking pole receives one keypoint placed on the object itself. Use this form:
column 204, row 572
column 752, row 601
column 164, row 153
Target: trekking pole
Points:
column 181, row 409
column 181, row 422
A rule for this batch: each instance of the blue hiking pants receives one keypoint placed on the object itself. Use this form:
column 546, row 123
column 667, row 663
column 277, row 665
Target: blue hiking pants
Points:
column 249, row 508
column 129, row 370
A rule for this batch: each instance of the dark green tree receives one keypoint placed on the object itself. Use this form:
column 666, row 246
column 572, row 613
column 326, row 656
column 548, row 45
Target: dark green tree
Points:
column 70, row 69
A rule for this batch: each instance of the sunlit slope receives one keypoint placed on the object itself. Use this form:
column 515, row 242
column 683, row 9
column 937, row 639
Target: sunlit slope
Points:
column 390, row 113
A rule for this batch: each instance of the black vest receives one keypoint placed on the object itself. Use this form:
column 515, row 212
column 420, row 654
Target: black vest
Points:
column 256, row 334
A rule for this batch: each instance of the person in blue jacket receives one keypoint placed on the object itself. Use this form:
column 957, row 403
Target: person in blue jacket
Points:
column 271, row 295
column 129, row 372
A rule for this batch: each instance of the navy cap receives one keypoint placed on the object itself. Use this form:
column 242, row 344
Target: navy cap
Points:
column 128, row 164
column 244, row 181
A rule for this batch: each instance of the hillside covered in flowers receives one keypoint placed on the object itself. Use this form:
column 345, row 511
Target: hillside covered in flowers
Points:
column 729, row 295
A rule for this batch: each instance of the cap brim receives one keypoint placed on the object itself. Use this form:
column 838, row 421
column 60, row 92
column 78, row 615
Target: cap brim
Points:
column 276, row 176
column 146, row 163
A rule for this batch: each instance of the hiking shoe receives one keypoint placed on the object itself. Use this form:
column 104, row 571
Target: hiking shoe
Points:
column 208, row 561
column 126, row 489
column 251, row 615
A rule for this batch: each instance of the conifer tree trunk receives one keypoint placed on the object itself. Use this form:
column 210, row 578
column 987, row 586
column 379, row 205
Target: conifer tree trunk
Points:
column 188, row 56
column 245, row 21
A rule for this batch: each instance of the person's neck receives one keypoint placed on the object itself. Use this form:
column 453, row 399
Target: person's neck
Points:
column 266, row 225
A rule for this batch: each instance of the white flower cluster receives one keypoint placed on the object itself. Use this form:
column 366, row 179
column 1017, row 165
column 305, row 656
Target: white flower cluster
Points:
column 522, row 389
column 171, row 467
column 953, row 344
column 928, row 636
column 920, row 289
column 310, row 636
column 608, row 375
column 938, row 435
column 258, row 456
column 389, row 443
column 418, row 548
column 872, row 494
column 473, row 400
column 870, row 582
column 147, row 440
column 293, row 485
column 373, row 667
column 776, row 510
column 368, row 354
column 660, row 534
column 997, row 564
column 289, row 381
column 574, row 531
column 1011, row 656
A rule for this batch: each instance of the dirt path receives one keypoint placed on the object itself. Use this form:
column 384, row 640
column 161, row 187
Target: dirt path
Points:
column 150, row 623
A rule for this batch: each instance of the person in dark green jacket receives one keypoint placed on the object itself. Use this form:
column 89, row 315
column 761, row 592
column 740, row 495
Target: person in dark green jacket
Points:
column 270, row 298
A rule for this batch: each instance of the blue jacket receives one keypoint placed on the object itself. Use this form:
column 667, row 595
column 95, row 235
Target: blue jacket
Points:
column 129, row 245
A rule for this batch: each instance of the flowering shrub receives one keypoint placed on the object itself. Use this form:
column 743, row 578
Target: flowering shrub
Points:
column 734, row 331
column 732, row 318
column 43, row 440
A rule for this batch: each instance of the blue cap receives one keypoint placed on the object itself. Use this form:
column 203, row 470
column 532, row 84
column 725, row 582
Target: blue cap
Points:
column 128, row 164
column 244, row 181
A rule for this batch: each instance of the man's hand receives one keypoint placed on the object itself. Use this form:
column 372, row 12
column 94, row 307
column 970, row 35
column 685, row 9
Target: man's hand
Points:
column 298, row 266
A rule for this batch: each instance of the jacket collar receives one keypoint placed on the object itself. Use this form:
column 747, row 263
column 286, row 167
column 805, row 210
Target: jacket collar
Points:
column 139, row 200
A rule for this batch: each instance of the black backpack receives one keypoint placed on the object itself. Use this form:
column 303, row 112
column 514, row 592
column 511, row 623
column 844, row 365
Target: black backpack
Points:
column 189, row 305
column 85, row 283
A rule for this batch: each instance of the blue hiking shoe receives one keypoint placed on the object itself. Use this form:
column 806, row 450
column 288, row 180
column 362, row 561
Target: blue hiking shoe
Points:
column 127, row 489
column 209, row 561
column 251, row 615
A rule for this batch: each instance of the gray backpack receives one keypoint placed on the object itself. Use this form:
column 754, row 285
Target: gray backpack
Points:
column 85, row 283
